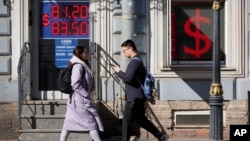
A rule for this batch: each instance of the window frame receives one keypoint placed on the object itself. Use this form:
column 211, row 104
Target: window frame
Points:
column 161, row 62
column 176, row 62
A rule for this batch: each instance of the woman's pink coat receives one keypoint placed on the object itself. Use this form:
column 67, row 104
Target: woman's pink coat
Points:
column 81, row 114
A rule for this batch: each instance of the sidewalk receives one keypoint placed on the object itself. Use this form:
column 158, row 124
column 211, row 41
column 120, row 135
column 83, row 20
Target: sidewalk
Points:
column 118, row 138
column 182, row 139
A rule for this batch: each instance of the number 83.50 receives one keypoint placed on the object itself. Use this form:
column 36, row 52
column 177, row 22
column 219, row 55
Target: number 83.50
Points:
column 69, row 28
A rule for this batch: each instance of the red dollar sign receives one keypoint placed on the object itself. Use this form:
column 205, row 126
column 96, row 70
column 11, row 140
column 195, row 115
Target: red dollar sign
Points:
column 45, row 19
column 197, row 35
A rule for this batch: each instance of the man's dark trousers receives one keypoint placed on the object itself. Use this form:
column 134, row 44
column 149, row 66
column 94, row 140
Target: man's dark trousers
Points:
column 135, row 111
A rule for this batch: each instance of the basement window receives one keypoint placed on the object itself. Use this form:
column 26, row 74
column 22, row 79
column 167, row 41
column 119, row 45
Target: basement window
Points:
column 193, row 119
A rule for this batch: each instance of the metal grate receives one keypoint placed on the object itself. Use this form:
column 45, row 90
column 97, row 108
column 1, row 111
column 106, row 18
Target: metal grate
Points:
column 189, row 119
column 192, row 120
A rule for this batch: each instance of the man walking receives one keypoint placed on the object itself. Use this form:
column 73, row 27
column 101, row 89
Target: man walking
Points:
column 134, row 94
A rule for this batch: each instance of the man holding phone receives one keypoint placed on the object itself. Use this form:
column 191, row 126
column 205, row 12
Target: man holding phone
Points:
column 134, row 94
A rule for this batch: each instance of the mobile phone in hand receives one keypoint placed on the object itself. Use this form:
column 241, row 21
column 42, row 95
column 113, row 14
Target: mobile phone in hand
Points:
column 112, row 65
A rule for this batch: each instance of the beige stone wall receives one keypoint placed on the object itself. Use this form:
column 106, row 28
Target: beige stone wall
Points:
column 237, row 112
column 8, row 121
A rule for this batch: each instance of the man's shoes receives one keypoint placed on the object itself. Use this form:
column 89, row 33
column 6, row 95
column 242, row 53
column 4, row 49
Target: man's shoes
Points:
column 163, row 137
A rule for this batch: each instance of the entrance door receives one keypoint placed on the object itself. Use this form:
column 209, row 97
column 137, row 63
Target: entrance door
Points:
column 59, row 26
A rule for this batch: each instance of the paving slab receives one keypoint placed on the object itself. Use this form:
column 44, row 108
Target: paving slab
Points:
column 118, row 138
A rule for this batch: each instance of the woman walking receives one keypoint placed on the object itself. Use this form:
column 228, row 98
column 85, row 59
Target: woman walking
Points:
column 81, row 115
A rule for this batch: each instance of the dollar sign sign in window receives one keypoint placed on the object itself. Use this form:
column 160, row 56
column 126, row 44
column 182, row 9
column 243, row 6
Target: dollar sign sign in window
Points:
column 192, row 31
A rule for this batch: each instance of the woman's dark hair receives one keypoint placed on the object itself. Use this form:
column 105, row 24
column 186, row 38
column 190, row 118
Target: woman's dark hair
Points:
column 129, row 43
column 78, row 50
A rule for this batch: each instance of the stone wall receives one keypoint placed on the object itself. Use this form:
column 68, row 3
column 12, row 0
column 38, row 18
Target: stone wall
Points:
column 237, row 112
column 8, row 121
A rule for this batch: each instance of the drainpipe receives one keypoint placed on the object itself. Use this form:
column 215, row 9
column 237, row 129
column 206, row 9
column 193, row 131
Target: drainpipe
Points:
column 20, row 88
column 22, row 79
column 128, row 10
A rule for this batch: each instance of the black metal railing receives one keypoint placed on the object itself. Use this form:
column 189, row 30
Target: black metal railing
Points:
column 101, row 60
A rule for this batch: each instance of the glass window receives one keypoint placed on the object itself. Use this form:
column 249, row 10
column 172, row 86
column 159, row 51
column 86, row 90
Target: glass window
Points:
column 192, row 32
column 63, row 25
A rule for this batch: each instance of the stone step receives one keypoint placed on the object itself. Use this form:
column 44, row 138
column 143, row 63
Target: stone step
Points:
column 40, row 131
column 42, row 121
column 40, row 107
column 50, row 135
column 42, row 116
column 37, row 102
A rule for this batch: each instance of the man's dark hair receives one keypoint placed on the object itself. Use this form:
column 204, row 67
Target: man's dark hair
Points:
column 129, row 43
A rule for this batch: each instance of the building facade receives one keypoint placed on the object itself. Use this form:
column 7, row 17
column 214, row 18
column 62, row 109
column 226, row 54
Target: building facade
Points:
column 174, row 38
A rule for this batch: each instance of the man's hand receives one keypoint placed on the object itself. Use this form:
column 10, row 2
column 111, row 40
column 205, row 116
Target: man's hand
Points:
column 116, row 69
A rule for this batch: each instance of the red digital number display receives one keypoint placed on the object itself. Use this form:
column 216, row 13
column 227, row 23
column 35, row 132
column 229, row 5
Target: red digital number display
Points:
column 66, row 28
column 191, row 36
column 73, row 11
column 65, row 20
